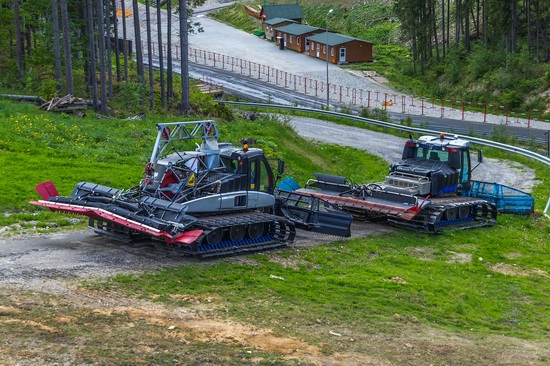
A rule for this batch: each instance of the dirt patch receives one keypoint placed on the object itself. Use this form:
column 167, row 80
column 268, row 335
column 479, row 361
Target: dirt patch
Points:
column 459, row 257
column 51, row 264
column 513, row 255
column 513, row 270
column 422, row 253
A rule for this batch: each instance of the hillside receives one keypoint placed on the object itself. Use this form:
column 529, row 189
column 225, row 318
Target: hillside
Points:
column 483, row 72
column 385, row 296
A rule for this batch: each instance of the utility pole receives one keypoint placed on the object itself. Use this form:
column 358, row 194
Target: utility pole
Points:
column 184, row 43
column 326, row 56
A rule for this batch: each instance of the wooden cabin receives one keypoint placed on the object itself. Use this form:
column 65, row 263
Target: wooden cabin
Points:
column 341, row 49
column 287, row 11
column 295, row 36
column 270, row 25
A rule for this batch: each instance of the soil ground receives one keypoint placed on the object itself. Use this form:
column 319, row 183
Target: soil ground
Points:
column 47, row 316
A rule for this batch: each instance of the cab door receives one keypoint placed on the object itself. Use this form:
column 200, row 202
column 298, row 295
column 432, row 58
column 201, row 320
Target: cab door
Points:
column 260, row 176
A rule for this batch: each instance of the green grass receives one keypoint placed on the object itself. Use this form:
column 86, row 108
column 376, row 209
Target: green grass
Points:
column 361, row 284
column 36, row 146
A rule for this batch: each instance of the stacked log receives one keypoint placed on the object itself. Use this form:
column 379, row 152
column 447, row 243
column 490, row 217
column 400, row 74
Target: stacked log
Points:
column 68, row 103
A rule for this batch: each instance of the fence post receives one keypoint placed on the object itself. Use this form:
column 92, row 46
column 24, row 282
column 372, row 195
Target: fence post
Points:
column 368, row 98
column 316, row 88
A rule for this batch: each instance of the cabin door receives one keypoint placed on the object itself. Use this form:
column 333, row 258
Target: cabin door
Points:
column 342, row 55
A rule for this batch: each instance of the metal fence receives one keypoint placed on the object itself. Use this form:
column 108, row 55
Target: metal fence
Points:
column 356, row 97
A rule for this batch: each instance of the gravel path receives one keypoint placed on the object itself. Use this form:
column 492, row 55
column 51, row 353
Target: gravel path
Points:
column 390, row 148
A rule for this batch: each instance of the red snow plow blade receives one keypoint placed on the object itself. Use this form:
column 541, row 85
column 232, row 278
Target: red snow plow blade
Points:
column 103, row 205
column 187, row 237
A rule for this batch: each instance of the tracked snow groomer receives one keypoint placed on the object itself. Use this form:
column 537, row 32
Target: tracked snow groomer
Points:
column 216, row 199
column 431, row 188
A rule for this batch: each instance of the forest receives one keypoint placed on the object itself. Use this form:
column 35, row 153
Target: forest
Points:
column 57, row 46
column 487, row 51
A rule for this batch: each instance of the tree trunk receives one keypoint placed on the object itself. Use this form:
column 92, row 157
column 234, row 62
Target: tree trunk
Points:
column 150, row 55
column 448, row 24
column 434, row 29
column 102, row 69
column 18, row 41
column 57, row 45
column 458, row 21
column 125, row 40
column 466, row 14
column 108, row 46
column 137, row 41
column 513, row 27
column 169, row 86
column 161, row 59
column 28, row 37
column 117, row 50
column 443, row 48
column 91, row 44
column 69, row 85
column 184, row 43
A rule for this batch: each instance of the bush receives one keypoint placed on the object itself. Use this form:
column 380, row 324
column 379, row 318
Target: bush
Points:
column 131, row 95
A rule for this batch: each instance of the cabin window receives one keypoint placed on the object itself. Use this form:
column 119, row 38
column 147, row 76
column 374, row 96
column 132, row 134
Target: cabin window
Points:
column 291, row 38
column 325, row 49
column 298, row 41
column 332, row 51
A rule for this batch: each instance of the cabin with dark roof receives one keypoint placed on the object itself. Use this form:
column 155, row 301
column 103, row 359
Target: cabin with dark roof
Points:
column 287, row 11
column 341, row 49
column 294, row 36
column 270, row 25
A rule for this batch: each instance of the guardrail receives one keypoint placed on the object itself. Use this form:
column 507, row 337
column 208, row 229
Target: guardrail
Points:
column 497, row 145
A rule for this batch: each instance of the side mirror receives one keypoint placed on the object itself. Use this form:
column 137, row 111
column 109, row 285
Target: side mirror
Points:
column 280, row 167
column 480, row 156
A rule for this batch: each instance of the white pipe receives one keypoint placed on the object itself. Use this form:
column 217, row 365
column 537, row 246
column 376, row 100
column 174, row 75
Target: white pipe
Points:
column 547, row 207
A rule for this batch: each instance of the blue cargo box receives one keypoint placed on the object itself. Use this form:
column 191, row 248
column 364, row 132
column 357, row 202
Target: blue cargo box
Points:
column 507, row 199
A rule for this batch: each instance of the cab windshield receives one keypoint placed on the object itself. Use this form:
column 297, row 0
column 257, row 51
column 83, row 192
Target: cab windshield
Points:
column 435, row 155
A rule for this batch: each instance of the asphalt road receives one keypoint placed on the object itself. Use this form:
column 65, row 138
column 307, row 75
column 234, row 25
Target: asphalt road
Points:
column 220, row 38
column 254, row 90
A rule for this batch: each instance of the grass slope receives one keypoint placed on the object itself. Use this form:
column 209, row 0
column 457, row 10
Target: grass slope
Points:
column 486, row 282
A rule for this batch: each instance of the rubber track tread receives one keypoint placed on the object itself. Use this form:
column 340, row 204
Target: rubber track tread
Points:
column 281, row 233
column 483, row 213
